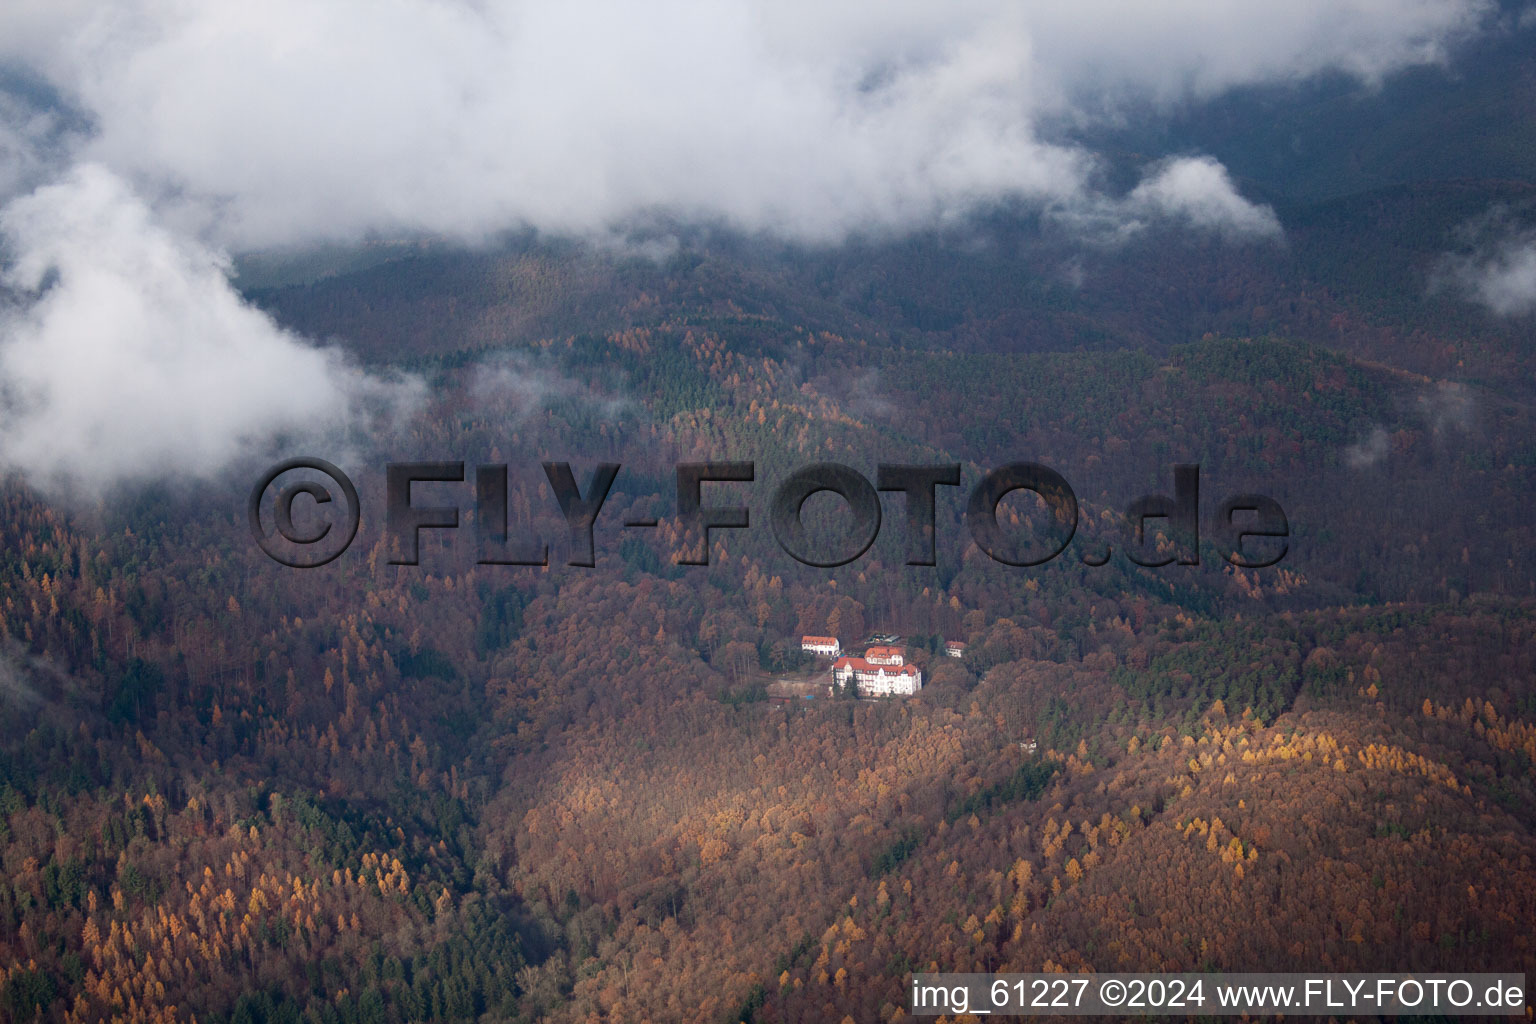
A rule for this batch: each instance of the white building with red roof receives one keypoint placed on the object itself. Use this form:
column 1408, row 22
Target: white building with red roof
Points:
column 885, row 656
column 826, row 646
column 877, row 680
column 955, row 648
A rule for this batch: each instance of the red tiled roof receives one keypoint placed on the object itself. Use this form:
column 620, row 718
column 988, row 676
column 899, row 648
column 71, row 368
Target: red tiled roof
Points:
column 885, row 652
column 818, row 640
column 860, row 665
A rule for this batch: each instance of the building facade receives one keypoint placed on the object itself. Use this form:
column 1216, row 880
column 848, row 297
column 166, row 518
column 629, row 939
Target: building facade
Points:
column 826, row 646
column 876, row 680
column 885, row 656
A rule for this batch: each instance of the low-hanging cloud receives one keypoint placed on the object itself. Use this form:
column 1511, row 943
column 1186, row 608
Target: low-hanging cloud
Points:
column 127, row 354
column 292, row 120
column 1194, row 193
column 1370, row 450
column 516, row 386
column 1449, row 408
column 150, row 137
column 1199, row 192
column 1500, row 276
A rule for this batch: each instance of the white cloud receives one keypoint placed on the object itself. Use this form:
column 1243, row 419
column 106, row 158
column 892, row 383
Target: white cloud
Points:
column 1370, row 451
column 130, row 355
column 1449, row 407
column 1198, row 190
column 1195, row 193
column 197, row 128
column 1497, row 268
column 1504, row 279
column 291, row 120
column 515, row 386
column 1508, row 282
column 1199, row 48
column 30, row 140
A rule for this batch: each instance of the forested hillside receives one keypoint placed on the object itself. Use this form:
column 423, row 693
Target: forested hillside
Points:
column 234, row 791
